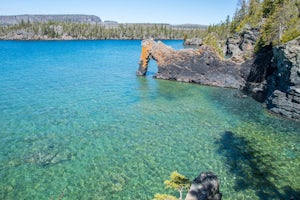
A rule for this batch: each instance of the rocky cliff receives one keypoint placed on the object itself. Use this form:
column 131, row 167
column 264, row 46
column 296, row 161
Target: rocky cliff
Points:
column 271, row 75
column 202, row 65
column 274, row 78
column 16, row 19
column 283, row 85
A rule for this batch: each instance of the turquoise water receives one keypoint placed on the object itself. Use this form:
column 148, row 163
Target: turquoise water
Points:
column 76, row 123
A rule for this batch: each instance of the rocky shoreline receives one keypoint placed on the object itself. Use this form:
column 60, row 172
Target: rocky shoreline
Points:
column 271, row 76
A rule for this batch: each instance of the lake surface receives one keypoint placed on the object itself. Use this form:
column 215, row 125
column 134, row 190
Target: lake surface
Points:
column 76, row 123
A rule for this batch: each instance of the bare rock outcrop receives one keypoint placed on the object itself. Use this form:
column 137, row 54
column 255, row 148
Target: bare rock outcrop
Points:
column 240, row 47
column 202, row 65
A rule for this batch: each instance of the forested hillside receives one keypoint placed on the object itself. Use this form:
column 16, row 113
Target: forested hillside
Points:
column 278, row 21
column 68, row 30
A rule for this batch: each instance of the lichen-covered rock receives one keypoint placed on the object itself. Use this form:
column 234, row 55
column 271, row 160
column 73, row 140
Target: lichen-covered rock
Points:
column 205, row 187
column 202, row 65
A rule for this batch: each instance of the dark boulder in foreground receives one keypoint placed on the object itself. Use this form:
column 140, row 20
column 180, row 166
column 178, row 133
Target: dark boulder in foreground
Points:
column 205, row 187
column 202, row 65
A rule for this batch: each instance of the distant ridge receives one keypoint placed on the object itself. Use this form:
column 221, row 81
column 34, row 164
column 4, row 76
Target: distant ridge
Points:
column 16, row 19
column 88, row 27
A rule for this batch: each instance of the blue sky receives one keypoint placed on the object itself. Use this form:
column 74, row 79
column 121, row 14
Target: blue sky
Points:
column 155, row 11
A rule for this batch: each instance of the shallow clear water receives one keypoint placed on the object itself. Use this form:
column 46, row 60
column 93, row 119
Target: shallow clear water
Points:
column 76, row 123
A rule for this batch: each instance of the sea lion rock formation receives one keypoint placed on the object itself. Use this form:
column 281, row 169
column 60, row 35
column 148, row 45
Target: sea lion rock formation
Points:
column 202, row 65
column 271, row 76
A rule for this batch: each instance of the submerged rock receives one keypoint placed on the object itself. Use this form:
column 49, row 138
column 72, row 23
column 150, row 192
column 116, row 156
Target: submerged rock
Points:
column 205, row 187
column 203, row 65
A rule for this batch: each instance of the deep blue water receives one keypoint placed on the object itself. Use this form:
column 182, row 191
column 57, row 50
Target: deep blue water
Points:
column 76, row 123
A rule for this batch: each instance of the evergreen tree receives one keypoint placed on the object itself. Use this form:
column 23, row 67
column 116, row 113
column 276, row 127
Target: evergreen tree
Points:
column 240, row 13
column 282, row 23
column 178, row 182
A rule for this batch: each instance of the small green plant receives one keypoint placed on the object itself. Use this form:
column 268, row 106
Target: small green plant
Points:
column 178, row 182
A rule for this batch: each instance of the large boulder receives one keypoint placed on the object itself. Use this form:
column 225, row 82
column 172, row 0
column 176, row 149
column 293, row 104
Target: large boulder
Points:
column 202, row 65
column 205, row 187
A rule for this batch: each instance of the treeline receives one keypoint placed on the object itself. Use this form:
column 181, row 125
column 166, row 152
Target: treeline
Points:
column 66, row 30
column 278, row 21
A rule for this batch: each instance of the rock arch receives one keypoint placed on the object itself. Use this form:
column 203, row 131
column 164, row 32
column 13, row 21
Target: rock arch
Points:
column 153, row 50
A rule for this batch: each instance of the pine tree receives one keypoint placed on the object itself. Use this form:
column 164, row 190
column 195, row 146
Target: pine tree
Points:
column 178, row 182
column 282, row 22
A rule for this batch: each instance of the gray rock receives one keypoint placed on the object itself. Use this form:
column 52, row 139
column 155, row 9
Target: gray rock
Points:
column 286, row 104
column 284, row 84
column 275, row 78
column 205, row 187
column 240, row 47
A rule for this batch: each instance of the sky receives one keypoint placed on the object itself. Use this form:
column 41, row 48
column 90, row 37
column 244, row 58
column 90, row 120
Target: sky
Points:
column 203, row 12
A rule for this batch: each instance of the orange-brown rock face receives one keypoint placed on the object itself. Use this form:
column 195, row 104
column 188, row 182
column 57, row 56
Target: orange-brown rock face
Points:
column 201, row 65
column 155, row 50
column 145, row 57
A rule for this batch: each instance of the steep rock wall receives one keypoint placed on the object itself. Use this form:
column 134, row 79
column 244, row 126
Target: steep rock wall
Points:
column 283, row 88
